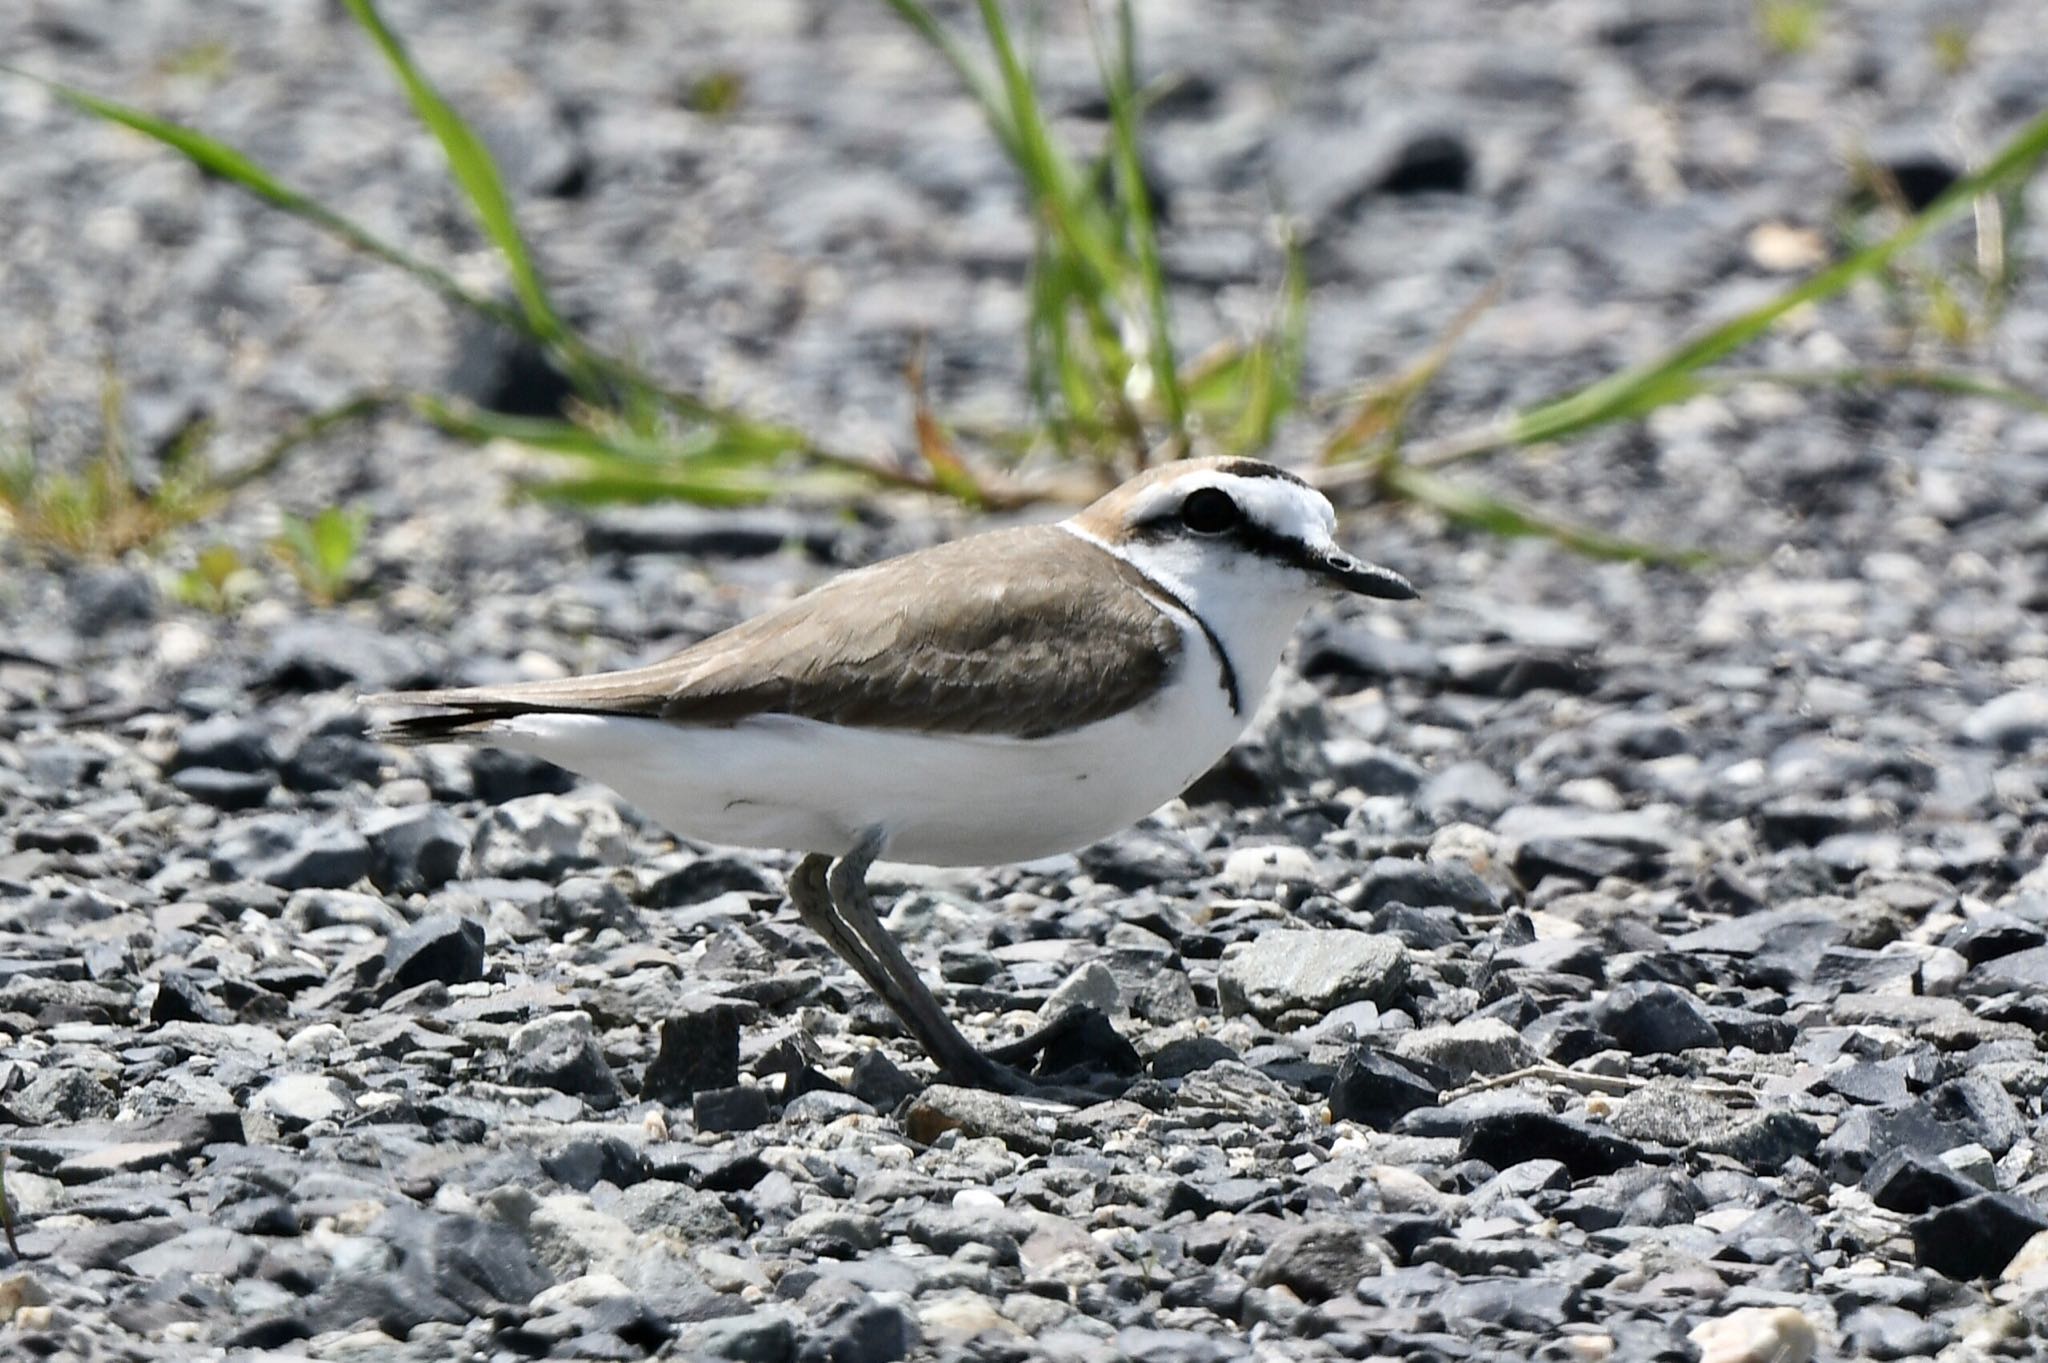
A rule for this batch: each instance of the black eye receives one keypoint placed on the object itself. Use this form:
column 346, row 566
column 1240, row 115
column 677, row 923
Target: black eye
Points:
column 1208, row 511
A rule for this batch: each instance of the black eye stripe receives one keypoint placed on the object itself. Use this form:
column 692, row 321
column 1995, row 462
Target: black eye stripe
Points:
column 1248, row 535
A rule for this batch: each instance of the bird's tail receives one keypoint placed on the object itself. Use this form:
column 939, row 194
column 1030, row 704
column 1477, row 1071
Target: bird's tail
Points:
column 413, row 718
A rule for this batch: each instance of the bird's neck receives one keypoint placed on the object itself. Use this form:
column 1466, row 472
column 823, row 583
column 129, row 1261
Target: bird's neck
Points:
column 1247, row 608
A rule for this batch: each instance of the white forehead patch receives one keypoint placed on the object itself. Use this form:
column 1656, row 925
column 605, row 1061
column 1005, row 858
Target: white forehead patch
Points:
column 1279, row 505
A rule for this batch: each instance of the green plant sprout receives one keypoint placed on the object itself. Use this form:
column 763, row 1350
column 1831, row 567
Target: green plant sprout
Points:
column 321, row 552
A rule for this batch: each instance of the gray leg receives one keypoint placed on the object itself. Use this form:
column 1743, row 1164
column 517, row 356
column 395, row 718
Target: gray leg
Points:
column 902, row 989
column 809, row 892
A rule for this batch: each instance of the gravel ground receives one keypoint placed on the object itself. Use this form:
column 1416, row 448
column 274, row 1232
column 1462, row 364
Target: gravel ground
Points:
column 1590, row 962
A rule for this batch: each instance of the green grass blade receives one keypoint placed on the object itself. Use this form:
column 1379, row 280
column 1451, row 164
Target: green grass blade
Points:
column 1954, row 383
column 233, row 167
column 985, row 92
column 1483, row 511
column 1286, row 354
column 1635, row 391
column 477, row 173
column 1053, row 182
column 1119, row 84
column 732, row 446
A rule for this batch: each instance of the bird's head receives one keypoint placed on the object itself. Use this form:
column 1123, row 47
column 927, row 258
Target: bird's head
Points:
column 1199, row 522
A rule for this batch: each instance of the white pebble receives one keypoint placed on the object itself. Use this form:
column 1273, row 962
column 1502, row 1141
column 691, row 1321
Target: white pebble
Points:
column 976, row 1200
column 320, row 1039
column 1251, row 868
column 1756, row 1334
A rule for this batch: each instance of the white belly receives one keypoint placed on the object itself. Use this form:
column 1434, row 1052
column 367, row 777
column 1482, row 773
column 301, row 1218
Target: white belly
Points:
column 942, row 800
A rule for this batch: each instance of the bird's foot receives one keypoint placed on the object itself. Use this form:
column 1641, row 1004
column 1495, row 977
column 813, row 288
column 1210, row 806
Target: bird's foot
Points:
column 1080, row 1058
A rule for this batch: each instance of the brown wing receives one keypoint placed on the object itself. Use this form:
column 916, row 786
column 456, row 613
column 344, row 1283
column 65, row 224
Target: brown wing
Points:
column 1009, row 633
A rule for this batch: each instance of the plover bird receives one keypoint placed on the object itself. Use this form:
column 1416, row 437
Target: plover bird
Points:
column 1008, row 696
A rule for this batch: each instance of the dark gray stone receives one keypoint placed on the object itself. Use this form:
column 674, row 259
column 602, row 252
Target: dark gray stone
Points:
column 1885, row 1332
column 1654, row 1019
column 1376, row 1090
column 868, row 1332
column 880, row 1083
column 291, row 853
column 1317, row 1261
column 1977, row 1237
column 742, row 1107
column 1423, row 885
column 758, row 1337
column 224, row 743
column 1510, row 1136
column 414, row 849
column 333, row 761
column 441, row 948
column 1905, row 1180
column 560, row 1052
column 699, row 1050
column 229, row 790
column 1141, row 859
column 69, row 1094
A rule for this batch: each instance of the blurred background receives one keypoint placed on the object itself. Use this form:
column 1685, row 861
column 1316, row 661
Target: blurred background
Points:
column 782, row 249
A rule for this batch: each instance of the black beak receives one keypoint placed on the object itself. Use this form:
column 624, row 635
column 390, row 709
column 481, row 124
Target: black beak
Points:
column 1356, row 575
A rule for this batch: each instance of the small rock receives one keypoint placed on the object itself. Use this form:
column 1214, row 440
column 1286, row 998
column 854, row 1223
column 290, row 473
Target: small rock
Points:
column 1288, row 970
column 291, row 853
column 414, row 850
column 1092, row 986
column 835, row 1232
column 209, row 1251
column 534, row 836
column 1654, row 1019
column 879, row 1082
column 499, row 776
column 742, row 1107
column 1510, row 1136
column 944, row 1107
column 2014, row 721
column 333, row 761
column 586, row 1162
column 1184, row 1055
column 62, row 1096
column 1471, row 1046
column 1375, row 1090
column 703, row 878
column 442, row 947
column 1318, row 1261
column 1978, row 1237
column 2029, row 1267
column 230, row 790
column 1905, row 1180
column 1423, row 885
column 588, row 904
column 1255, row 868
column 225, row 743
column 180, row 999
column 758, row 1337
column 105, row 599
column 301, row 1099
column 867, row 1332
column 699, row 1050
column 560, row 1052
column 1756, row 1334
column 1987, row 936
column 1141, row 859
column 958, row 1317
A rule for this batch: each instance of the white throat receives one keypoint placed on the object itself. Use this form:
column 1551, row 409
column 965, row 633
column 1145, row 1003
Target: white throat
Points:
column 1247, row 606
